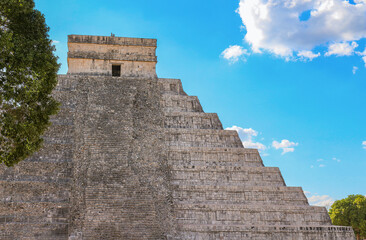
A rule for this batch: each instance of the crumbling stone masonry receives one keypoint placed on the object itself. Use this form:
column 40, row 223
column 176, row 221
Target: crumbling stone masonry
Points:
column 132, row 156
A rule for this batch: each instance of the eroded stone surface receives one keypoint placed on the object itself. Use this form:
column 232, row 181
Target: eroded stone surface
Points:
column 135, row 157
column 94, row 55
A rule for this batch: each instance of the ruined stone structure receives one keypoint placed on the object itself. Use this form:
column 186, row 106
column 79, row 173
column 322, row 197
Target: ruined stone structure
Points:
column 132, row 156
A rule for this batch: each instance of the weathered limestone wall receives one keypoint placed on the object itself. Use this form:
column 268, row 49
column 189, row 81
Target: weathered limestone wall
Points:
column 94, row 55
column 204, row 232
column 35, row 194
column 222, row 190
column 112, row 52
column 121, row 178
column 102, row 173
column 104, row 67
column 135, row 157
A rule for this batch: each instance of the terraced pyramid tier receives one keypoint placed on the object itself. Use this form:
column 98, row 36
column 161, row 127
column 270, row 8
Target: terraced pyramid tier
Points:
column 35, row 194
column 130, row 156
column 222, row 190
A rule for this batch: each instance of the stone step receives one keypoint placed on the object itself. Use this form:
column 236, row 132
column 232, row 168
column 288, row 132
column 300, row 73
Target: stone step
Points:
column 244, row 195
column 70, row 106
column 53, row 152
column 28, row 191
column 36, row 179
column 261, row 232
column 37, row 170
column 64, row 96
column 180, row 103
column 34, row 212
column 64, row 116
column 193, row 120
column 189, row 183
column 231, row 200
column 180, row 137
column 214, row 156
column 229, row 175
column 33, row 230
column 66, row 83
column 171, row 86
column 59, row 132
column 227, row 214
column 221, row 179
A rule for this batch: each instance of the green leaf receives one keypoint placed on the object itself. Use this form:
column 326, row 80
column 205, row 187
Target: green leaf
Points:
column 28, row 74
column 350, row 211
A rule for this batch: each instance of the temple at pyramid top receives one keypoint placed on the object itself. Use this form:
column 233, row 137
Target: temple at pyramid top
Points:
column 111, row 56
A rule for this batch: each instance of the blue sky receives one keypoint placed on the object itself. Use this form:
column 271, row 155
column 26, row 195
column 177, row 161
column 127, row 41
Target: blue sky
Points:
column 288, row 75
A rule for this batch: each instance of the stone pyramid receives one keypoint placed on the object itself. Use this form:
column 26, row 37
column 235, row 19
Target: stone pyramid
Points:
column 132, row 156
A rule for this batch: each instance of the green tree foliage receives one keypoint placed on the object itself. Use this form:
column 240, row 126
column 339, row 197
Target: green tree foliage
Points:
column 350, row 211
column 28, row 74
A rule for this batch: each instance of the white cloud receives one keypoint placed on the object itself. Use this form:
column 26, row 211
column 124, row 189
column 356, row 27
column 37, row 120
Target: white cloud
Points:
column 233, row 53
column 320, row 200
column 285, row 145
column 354, row 69
column 275, row 26
column 341, row 49
column 307, row 55
column 364, row 144
column 55, row 42
column 363, row 55
column 247, row 135
column 322, row 164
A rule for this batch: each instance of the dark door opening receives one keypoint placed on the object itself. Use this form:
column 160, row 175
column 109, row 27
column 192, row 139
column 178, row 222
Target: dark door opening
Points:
column 116, row 70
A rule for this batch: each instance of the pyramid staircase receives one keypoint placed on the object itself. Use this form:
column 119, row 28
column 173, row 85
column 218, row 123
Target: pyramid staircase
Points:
column 35, row 193
column 116, row 164
column 222, row 190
